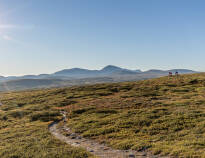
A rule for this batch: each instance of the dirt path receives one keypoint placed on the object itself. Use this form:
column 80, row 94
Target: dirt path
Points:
column 99, row 150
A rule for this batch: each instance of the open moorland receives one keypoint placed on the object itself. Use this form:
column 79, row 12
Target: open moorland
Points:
column 165, row 116
column 24, row 120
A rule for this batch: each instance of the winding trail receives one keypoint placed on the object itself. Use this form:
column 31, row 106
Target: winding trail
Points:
column 97, row 149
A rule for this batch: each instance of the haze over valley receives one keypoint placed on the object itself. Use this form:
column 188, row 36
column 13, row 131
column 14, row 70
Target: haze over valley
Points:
column 79, row 76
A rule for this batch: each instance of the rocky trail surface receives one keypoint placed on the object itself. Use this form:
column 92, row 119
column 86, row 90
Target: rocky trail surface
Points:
column 97, row 149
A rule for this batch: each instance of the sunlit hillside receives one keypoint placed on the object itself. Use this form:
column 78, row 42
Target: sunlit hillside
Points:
column 164, row 116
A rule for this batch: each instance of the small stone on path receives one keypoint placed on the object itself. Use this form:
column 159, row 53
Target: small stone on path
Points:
column 131, row 155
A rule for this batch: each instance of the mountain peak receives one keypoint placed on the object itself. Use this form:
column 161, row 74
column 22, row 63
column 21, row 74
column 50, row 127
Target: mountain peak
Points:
column 111, row 68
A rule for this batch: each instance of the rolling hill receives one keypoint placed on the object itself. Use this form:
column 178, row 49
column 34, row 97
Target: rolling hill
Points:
column 78, row 76
column 163, row 116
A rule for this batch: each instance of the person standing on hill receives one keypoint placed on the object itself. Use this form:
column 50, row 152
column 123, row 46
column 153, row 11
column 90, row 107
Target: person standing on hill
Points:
column 170, row 74
column 176, row 73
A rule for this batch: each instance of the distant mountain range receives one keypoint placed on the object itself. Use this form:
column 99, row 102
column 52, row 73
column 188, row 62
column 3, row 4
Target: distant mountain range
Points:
column 78, row 76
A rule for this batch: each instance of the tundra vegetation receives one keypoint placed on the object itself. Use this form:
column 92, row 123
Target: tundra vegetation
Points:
column 24, row 120
column 165, row 116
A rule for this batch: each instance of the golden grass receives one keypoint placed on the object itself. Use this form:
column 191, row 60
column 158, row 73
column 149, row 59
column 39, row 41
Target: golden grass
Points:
column 164, row 116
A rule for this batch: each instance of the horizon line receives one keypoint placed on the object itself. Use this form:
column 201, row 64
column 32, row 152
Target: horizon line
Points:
column 142, row 70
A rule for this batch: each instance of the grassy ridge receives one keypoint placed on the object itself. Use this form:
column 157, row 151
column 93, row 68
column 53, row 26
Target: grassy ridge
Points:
column 165, row 116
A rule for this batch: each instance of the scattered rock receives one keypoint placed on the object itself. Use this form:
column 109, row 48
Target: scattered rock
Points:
column 105, row 148
column 73, row 135
column 131, row 155
column 78, row 137
column 66, row 129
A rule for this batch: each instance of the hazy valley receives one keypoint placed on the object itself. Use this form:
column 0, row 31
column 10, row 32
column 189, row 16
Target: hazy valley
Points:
column 77, row 76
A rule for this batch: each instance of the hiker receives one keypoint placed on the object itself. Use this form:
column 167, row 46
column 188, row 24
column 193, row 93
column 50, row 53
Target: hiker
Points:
column 176, row 73
column 170, row 74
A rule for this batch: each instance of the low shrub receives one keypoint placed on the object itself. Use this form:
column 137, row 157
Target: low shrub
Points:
column 45, row 116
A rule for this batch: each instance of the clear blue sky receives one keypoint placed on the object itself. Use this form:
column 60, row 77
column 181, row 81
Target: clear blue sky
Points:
column 43, row 36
